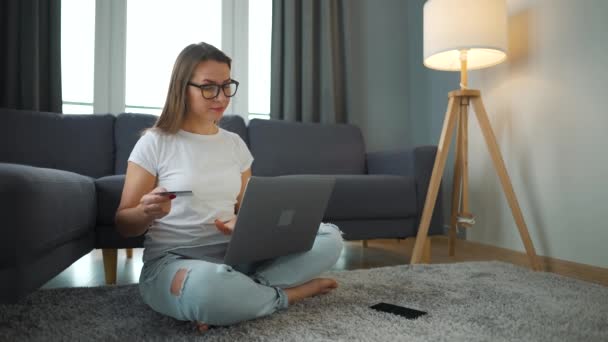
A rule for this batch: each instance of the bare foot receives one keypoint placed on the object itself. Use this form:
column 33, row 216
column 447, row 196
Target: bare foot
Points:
column 201, row 327
column 317, row 286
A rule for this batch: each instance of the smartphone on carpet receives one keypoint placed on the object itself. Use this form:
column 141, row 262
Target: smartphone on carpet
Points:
column 398, row 310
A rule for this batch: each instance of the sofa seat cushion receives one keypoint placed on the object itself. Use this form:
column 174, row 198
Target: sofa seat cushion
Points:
column 109, row 190
column 106, row 236
column 354, row 197
column 361, row 229
column 371, row 197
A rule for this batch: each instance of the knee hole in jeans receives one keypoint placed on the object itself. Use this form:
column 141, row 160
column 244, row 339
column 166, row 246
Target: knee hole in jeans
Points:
column 178, row 281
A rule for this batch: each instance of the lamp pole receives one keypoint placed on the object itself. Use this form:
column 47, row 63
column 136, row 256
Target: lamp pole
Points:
column 464, row 79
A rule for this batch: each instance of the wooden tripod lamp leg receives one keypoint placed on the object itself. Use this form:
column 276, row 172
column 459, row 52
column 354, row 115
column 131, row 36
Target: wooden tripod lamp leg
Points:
column 456, row 188
column 431, row 195
column 499, row 164
column 465, row 163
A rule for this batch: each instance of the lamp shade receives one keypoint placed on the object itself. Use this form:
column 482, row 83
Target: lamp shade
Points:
column 477, row 26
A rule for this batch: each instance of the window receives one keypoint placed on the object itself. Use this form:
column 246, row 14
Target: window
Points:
column 153, row 43
column 260, row 33
column 77, row 55
column 118, row 56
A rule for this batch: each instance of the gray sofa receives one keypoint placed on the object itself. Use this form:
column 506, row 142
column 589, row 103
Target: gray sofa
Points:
column 61, row 178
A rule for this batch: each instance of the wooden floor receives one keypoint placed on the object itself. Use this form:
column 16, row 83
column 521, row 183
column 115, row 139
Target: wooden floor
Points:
column 88, row 270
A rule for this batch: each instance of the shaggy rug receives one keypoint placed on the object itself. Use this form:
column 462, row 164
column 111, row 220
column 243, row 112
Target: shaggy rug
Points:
column 475, row 301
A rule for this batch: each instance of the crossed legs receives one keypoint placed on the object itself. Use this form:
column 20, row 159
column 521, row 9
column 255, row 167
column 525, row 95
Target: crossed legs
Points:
column 199, row 291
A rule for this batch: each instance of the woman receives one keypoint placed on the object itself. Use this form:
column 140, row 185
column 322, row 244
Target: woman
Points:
column 186, row 150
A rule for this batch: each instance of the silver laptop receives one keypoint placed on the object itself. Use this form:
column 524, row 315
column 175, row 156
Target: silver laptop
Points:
column 278, row 216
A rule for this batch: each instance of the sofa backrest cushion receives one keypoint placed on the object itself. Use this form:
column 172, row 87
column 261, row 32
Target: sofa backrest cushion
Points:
column 281, row 148
column 235, row 124
column 130, row 126
column 76, row 143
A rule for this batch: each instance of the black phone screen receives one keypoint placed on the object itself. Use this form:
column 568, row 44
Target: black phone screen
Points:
column 398, row 310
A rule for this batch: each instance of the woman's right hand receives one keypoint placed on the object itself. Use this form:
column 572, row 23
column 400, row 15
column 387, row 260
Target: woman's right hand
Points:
column 155, row 206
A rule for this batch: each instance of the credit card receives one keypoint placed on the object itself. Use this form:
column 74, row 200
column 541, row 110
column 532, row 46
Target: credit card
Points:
column 176, row 193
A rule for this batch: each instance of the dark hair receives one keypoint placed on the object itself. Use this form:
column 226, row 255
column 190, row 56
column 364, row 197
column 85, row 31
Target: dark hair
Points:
column 175, row 108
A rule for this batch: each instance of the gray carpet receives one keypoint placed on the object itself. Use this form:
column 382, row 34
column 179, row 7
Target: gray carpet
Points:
column 482, row 301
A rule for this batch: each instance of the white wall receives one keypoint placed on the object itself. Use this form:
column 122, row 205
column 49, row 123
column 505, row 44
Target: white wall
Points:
column 377, row 84
column 393, row 98
column 548, row 106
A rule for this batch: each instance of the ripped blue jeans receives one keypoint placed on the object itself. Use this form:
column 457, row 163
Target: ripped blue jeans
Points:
column 221, row 295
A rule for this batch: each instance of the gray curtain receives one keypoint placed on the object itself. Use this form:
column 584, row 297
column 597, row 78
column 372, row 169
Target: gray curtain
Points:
column 308, row 61
column 30, row 61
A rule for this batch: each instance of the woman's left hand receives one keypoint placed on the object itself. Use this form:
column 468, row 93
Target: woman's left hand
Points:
column 225, row 227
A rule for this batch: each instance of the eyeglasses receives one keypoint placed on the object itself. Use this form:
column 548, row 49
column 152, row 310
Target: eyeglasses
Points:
column 211, row 91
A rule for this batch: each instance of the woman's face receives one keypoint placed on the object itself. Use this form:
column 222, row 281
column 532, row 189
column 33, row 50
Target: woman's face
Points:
column 208, row 73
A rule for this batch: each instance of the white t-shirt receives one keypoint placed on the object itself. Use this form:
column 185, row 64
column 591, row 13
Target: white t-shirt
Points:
column 210, row 166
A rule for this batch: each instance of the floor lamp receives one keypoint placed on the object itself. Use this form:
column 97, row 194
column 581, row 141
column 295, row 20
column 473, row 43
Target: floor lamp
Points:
column 461, row 35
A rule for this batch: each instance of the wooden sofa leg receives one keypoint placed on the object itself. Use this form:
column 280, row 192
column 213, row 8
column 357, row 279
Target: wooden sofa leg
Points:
column 109, row 264
column 129, row 253
column 364, row 243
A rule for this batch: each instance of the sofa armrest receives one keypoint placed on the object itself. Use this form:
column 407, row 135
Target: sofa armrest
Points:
column 415, row 162
column 42, row 208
